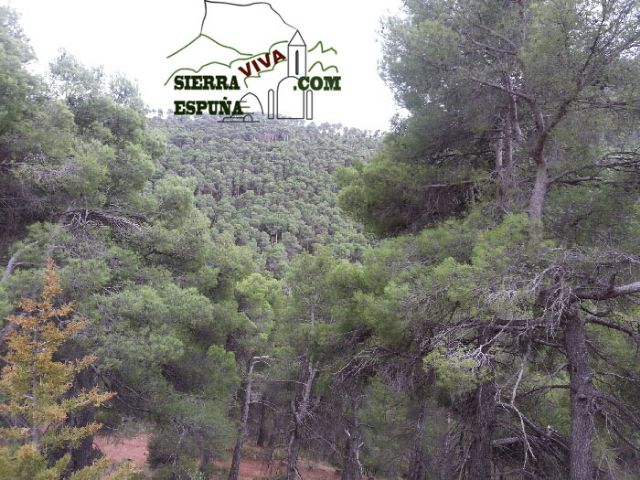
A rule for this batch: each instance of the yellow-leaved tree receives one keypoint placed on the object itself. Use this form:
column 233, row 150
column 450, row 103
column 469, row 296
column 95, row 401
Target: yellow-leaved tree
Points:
column 34, row 399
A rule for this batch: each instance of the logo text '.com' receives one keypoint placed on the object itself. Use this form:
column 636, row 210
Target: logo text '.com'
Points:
column 267, row 71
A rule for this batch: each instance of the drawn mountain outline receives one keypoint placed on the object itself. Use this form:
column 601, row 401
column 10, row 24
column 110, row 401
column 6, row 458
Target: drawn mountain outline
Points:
column 320, row 65
column 220, row 42
column 323, row 49
column 227, row 65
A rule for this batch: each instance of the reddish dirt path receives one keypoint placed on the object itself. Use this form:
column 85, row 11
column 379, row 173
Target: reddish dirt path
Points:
column 122, row 449
column 253, row 466
column 251, row 469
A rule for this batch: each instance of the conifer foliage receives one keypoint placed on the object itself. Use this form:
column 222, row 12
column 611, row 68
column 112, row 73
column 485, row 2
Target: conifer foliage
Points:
column 36, row 389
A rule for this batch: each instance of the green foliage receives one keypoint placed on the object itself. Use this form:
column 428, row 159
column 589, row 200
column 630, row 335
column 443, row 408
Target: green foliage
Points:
column 385, row 437
column 192, row 246
column 135, row 251
column 457, row 372
column 271, row 188
column 28, row 463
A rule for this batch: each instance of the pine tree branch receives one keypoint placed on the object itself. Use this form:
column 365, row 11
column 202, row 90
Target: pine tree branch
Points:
column 13, row 263
column 606, row 293
column 615, row 326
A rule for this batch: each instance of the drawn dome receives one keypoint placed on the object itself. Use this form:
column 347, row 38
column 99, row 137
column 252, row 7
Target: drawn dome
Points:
column 290, row 99
column 251, row 104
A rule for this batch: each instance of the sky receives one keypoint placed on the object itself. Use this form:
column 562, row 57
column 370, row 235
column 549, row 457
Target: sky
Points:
column 134, row 37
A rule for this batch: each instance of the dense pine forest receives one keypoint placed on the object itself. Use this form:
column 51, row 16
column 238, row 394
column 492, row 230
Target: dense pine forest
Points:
column 458, row 298
column 270, row 186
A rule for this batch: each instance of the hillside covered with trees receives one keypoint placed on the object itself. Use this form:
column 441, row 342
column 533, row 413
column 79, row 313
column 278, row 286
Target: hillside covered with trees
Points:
column 455, row 299
column 270, row 185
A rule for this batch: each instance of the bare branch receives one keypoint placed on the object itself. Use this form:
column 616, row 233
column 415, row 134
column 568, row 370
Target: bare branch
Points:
column 615, row 326
column 13, row 263
column 606, row 293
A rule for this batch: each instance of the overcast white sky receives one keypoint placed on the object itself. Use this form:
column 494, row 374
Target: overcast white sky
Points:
column 135, row 36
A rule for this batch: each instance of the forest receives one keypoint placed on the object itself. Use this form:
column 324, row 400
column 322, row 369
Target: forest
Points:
column 456, row 298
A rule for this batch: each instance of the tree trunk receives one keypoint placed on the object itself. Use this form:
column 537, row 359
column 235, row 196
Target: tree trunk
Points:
column 300, row 411
column 581, row 465
column 450, row 455
column 539, row 193
column 242, row 434
column 513, row 116
column 419, row 462
column 352, row 467
column 237, row 457
column 482, row 423
column 499, row 166
column 293, row 449
column 205, row 459
column 508, row 176
column 263, row 433
column 504, row 165
column 482, row 414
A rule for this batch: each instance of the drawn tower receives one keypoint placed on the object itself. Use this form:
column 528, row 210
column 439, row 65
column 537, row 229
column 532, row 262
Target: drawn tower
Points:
column 297, row 56
column 289, row 101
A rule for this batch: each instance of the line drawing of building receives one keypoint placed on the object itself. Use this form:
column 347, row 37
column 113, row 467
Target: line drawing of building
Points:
column 288, row 101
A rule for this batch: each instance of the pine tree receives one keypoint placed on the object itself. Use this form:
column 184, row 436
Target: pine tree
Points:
column 35, row 388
